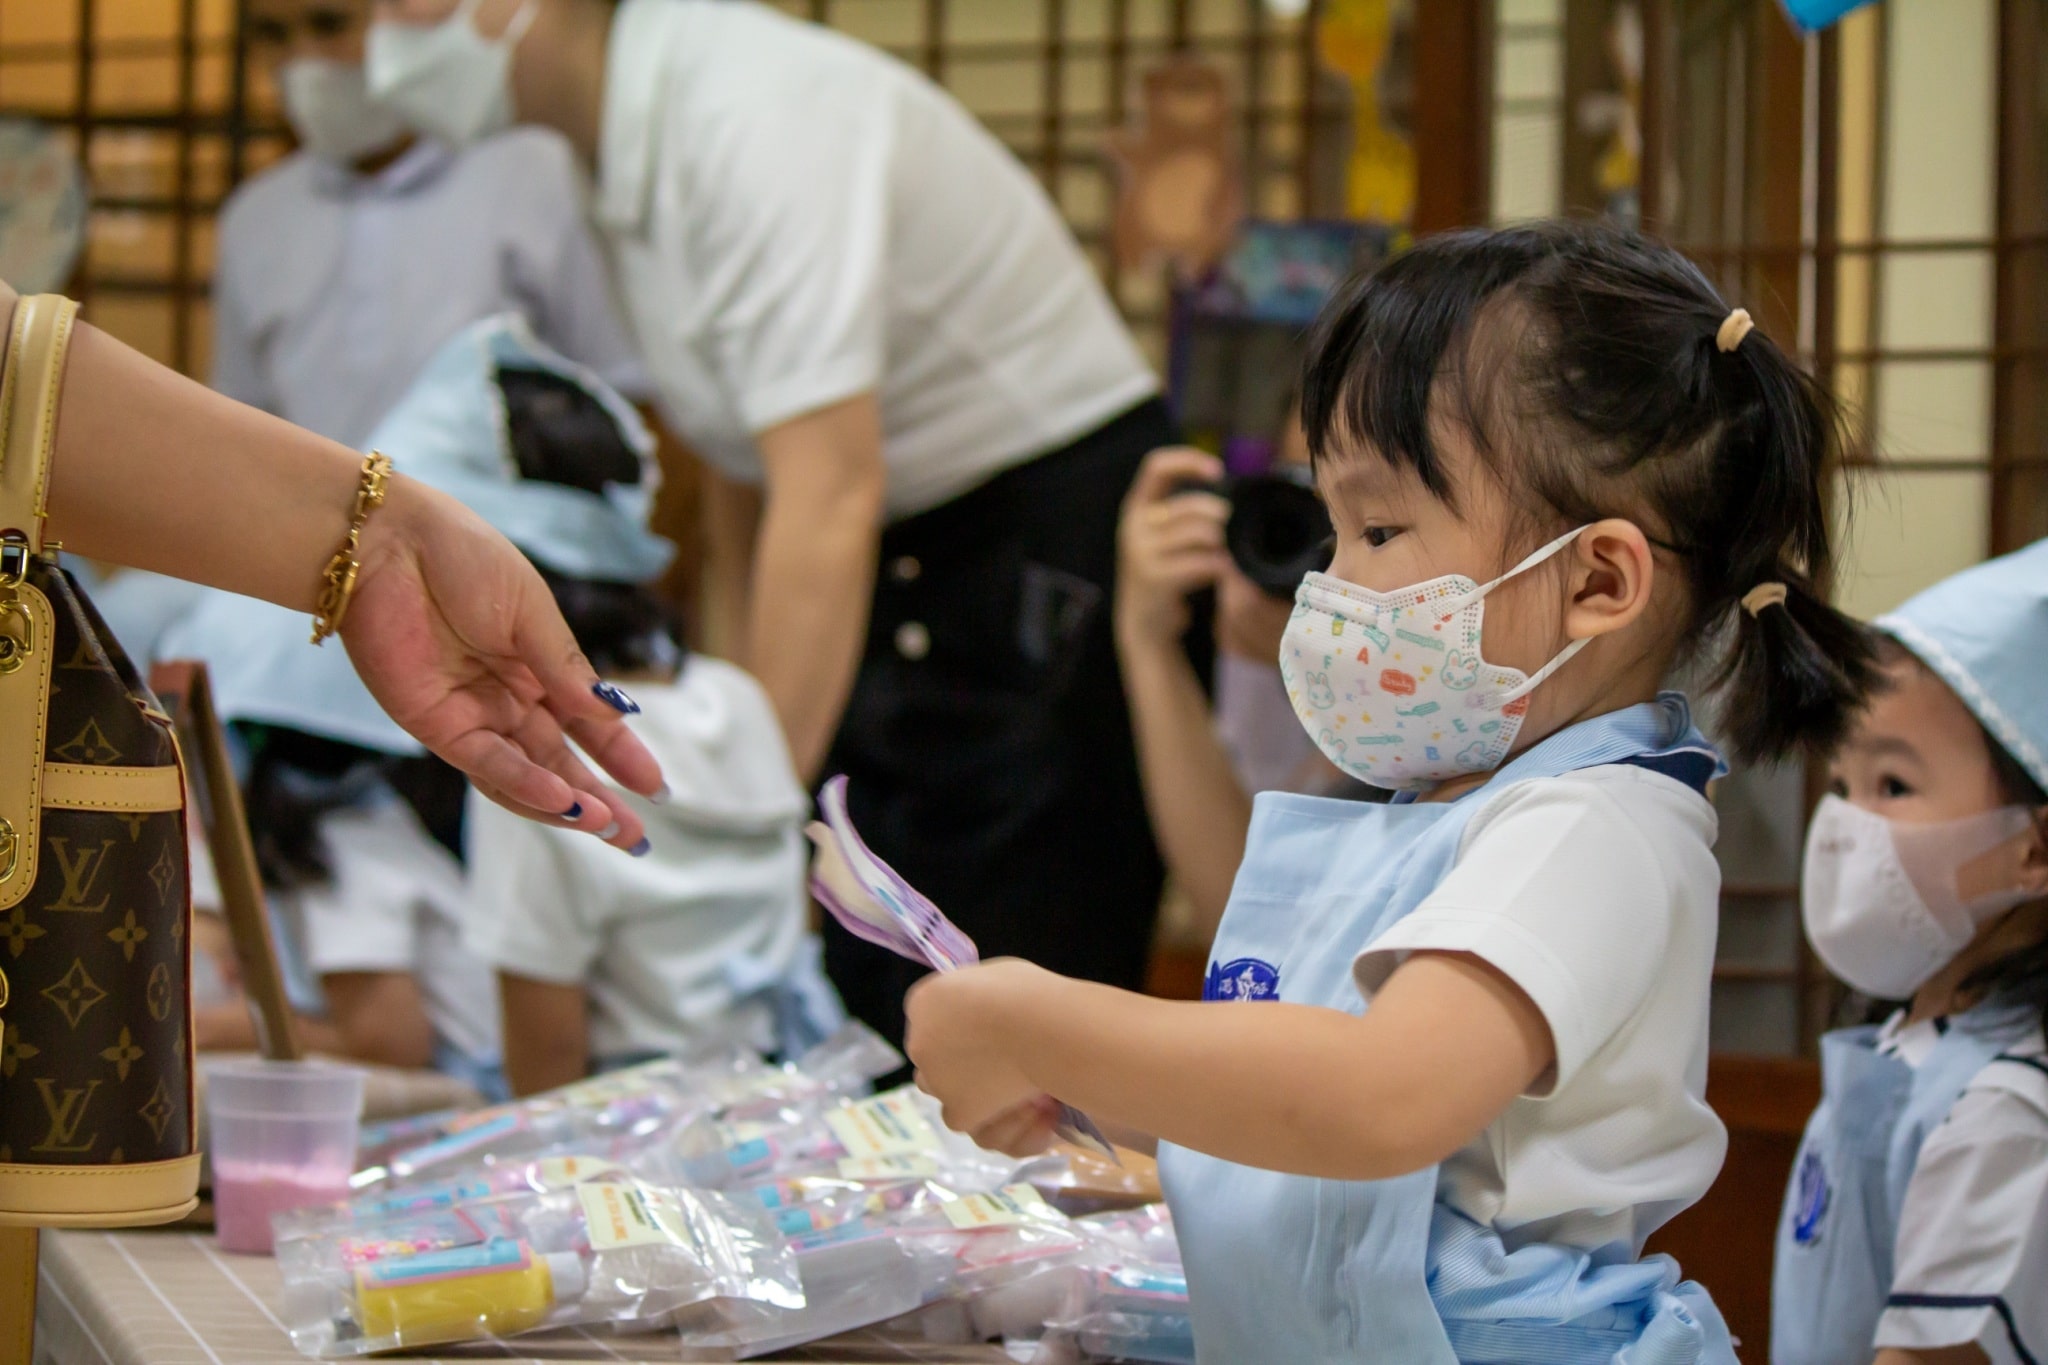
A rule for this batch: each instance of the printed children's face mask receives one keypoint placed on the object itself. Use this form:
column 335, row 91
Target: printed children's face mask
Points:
column 329, row 106
column 1889, row 904
column 1391, row 685
column 448, row 80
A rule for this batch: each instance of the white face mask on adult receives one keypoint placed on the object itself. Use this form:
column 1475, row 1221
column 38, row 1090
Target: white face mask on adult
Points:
column 1883, row 900
column 328, row 105
column 446, row 79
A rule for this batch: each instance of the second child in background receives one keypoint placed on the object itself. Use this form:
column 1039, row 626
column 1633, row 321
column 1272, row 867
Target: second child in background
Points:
column 699, row 939
column 1915, row 1228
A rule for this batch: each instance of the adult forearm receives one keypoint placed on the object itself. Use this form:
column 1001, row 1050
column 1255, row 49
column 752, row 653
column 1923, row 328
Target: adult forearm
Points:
column 1199, row 812
column 154, row 471
column 807, row 621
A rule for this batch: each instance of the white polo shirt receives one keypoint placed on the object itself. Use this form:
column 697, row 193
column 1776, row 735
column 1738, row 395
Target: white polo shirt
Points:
column 798, row 219
column 333, row 289
column 1971, row 1261
column 656, row 941
column 1598, row 895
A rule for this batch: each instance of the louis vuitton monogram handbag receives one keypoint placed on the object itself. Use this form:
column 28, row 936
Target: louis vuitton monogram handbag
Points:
column 96, row 1122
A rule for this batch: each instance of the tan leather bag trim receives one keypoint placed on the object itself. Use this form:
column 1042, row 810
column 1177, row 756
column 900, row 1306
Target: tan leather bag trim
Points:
column 24, row 729
column 36, row 350
column 84, row 786
column 98, row 1196
column 33, row 373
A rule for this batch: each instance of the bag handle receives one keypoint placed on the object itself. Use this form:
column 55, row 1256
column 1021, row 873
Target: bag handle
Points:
column 29, row 384
column 33, row 379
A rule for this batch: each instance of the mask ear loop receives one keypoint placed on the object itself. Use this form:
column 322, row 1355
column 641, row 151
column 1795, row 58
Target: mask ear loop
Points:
column 1563, row 657
column 1465, row 599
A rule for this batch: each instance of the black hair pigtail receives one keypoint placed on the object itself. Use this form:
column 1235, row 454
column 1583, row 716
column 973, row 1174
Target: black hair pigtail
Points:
column 1797, row 670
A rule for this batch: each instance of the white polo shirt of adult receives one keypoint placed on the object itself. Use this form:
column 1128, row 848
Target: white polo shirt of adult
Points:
column 798, row 219
column 333, row 289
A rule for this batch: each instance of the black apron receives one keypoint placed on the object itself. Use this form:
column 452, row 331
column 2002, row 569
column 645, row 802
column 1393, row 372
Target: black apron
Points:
column 988, row 742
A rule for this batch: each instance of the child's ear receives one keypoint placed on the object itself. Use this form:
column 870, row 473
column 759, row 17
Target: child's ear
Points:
column 1611, row 577
column 2034, row 862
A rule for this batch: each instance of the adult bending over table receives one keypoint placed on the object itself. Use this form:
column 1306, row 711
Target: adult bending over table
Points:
column 859, row 308
column 452, row 630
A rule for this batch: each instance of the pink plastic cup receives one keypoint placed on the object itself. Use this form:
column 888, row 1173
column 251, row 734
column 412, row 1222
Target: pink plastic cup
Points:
column 283, row 1136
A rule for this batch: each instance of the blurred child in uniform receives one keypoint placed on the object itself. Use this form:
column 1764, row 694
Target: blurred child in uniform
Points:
column 1915, row 1229
column 700, row 939
column 1459, row 1078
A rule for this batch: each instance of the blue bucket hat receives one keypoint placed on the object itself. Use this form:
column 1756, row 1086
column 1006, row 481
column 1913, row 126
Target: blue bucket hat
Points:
column 263, row 670
column 451, row 430
column 1984, row 632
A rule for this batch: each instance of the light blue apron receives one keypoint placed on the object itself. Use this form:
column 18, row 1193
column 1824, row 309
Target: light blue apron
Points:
column 1832, row 1272
column 1284, row 1267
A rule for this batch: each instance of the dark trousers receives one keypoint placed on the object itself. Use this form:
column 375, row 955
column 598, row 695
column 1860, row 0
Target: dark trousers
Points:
column 987, row 743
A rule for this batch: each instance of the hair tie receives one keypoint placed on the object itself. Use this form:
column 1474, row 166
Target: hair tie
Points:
column 1763, row 595
column 1734, row 328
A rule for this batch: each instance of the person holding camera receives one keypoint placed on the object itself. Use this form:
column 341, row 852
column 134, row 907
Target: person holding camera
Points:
column 1200, row 764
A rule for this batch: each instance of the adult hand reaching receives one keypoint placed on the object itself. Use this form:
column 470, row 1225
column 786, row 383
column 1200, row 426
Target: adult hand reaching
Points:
column 451, row 629
column 461, row 643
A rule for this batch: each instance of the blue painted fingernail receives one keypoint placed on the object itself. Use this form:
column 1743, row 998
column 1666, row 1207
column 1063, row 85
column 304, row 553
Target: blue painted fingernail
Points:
column 575, row 811
column 641, row 849
column 616, row 699
column 609, row 831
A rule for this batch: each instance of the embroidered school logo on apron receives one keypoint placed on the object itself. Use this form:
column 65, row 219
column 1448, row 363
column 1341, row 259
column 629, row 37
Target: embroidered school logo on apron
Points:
column 1810, row 1199
column 1243, row 978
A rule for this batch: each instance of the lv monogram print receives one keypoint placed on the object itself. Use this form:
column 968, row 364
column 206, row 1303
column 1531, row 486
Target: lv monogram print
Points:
column 93, row 1061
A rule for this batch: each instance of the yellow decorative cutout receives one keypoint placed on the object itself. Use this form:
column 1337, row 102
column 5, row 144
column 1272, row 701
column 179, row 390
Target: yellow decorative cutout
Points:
column 89, row 745
column 123, row 1054
column 80, row 868
column 18, row 932
column 157, row 1112
column 128, row 934
column 158, row 997
column 66, row 1109
column 75, row 994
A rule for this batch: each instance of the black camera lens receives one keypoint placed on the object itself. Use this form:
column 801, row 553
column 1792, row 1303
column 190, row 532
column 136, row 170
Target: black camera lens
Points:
column 1278, row 532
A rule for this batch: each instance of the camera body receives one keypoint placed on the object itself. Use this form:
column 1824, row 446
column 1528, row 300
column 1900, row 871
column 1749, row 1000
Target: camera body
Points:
column 1278, row 532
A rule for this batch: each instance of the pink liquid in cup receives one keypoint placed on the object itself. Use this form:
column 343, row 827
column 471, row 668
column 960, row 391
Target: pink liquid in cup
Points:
column 244, row 1198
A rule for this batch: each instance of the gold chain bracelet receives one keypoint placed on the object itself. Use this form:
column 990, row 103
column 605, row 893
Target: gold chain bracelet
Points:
column 338, row 579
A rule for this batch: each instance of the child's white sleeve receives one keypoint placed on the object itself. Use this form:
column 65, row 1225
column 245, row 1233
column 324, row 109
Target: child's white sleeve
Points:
column 1971, row 1262
column 522, row 914
column 1574, row 888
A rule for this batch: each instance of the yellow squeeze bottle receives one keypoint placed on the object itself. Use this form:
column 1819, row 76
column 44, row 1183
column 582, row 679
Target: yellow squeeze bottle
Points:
column 495, row 1289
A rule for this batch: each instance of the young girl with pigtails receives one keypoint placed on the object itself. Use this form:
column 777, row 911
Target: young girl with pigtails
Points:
column 1459, row 1077
column 1915, row 1227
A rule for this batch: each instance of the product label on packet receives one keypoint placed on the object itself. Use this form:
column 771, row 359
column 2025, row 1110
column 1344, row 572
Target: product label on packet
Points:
column 560, row 1172
column 629, row 1214
column 1009, row 1207
column 907, row 1166
column 886, row 1126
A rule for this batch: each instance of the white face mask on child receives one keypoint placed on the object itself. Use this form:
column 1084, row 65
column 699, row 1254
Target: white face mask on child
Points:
column 1391, row 685
column 1883, row 901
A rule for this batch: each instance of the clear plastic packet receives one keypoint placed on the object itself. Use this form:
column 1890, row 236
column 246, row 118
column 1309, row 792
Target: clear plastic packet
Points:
column 379, row 1141
column 486, row 1181
column 608, row 1251
column 913, row 1246
column 620, row 1113
column 1127, row 1300
column 892, row 1136
column 871, row 901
